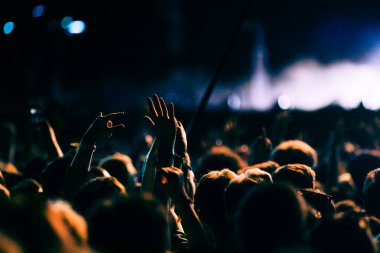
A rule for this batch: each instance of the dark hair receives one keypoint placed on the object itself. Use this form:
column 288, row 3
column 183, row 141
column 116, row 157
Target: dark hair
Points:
column 343, row 233
column 53, row 175
column 239, row 186
column 299, row 175
column 295, row 151
column 268, row 166
column 218, row 158
column 209, row 203
column 359, row 167
column 371, row 193
column 129, row 224
column 120, row 166
column 98, row 189
column 270, row 217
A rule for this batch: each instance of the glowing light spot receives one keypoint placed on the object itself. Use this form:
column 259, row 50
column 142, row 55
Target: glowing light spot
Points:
column 219, row 142
column 66, row 21
column 8, row 27
column 284, row 102
column 371, row 102
column 38, row 11
column 234, row 102
column 76, row 27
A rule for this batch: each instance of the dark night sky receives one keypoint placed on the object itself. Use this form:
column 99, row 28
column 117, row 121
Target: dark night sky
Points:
column 133, row 46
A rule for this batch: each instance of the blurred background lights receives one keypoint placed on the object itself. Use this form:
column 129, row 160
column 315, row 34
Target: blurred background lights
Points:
column 234, row 101
column 284, row 102
column 76, row 27
column 66, row 21
column 8, row 27
column 38, row 11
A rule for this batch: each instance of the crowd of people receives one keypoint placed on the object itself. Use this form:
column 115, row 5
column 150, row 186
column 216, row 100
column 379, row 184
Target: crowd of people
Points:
column 279, row 197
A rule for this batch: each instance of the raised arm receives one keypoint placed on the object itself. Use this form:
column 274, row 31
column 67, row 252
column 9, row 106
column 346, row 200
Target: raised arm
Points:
column 78, row 172
column 165, row 128
column 173, row 181
column 149, row 168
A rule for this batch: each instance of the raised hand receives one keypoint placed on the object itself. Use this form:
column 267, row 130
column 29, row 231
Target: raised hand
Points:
column 163, row 122
column 101, row 127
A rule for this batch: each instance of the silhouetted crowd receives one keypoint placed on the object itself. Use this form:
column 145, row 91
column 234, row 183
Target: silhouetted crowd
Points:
column 267, row 197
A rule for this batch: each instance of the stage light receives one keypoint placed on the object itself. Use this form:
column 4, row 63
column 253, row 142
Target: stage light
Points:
column 76, row 27
column 8, row 27
column 284, row 102
column 234, row 102
column 66, row 21
column 38, row 11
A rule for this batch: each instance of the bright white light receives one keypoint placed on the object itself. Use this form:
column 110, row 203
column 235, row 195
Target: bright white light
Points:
column 234, row 102
column 8, row 27
column 38, row 11
column 371, row 101
column 66, row 21
column 284, row 102
column 76, row 27
column 312, row 85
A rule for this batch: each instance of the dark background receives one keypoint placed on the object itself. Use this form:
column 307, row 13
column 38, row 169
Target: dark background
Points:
column 133, row 49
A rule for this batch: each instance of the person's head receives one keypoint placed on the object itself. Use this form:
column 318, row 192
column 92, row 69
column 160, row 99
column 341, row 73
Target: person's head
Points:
column 121, row 167
column 371, row 193
column 209, row 200
column 268, row 166
column 359, row 167
column 27, row 187
column 299, row 175
column 44, row 226
column 218, row 158
column 95, row 191
column 135, row 223
column 53, row 175
column 240, row 185
column 343, row 233
column 295, row 151
column 270, row 217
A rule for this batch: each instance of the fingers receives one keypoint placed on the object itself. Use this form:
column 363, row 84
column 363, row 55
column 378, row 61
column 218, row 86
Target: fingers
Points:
column 117, row 127
column 152, row 109
column 150, row 120
column 159, row 105
column 165, row 107
column 172, row 116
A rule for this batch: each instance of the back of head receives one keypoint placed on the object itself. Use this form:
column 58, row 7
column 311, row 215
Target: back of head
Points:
column 218, row 158
column 360, row 165
column 95, row 191
column 295, row 151
column 299, row 175
column 121, row 167
column 268, row 166
column 343, row 233
column 41, row 226
column 26, row 187
column 239, row 186
column 209, row 199
column 371, row 193
column 270, row 217
column 53, row 175
column 129, row 224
